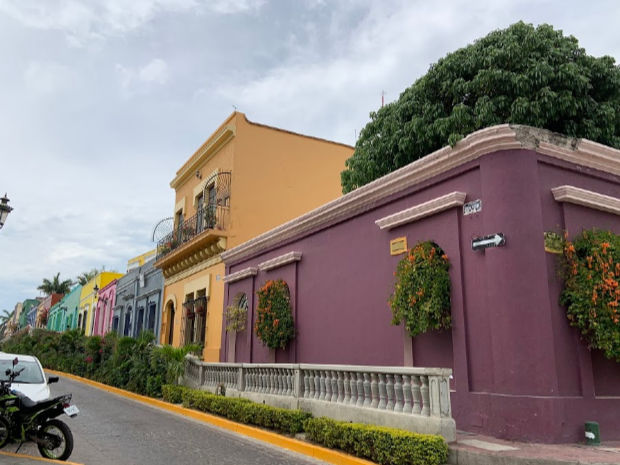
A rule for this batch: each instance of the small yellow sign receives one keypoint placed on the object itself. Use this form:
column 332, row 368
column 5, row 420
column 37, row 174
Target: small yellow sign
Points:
column 398, row 246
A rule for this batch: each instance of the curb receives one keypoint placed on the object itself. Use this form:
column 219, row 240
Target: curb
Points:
column 295, row 445
column 38, row 459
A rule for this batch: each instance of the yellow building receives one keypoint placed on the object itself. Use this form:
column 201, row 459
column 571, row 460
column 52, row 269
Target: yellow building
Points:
column 88, row 299
column 244, row 180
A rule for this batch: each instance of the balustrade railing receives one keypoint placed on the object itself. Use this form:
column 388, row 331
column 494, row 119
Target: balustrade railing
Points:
column 415, row 391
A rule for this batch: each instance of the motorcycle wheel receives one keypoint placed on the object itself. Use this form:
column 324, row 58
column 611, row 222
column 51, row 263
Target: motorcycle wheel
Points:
column 62, row 431
column 4, row 432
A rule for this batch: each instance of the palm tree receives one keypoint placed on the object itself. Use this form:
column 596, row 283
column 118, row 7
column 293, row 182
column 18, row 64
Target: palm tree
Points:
column 86, row 276
column 55, row 286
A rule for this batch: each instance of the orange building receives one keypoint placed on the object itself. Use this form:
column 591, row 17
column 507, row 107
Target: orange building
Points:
column 244, row 180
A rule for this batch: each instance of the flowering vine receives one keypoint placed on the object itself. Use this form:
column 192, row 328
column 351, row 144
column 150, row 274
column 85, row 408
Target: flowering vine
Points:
column 591, row 295
column 421, row 295
column 274, row 324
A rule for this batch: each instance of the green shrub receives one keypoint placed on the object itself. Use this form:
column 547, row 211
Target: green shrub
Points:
column 274, row 324
column 387, row 446
column 591, row 294
column 173, row 393
column 245, row 411
column 421, row 295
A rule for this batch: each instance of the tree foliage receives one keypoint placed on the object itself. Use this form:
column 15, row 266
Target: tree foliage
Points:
column 523, row 75
column 55, row 285
column 86, row 276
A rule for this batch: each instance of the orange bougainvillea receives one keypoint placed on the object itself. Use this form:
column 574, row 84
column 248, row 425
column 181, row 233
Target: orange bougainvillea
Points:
column 421, row 295
column 591, row 293
column 274, row 324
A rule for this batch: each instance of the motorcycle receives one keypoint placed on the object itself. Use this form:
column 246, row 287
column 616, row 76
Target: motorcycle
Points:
column 22, row 419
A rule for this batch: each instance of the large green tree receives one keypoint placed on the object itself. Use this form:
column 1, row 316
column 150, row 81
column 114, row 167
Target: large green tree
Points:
column 55, row 285
column 523, row 75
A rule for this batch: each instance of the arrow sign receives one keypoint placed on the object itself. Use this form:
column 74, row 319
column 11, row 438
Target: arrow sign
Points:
column 493, row 240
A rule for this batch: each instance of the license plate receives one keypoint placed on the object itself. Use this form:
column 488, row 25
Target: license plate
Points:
column 72, row 410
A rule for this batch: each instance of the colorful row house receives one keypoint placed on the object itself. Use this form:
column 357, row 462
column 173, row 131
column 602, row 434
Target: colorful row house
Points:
column 63, row 315
column 138, row 298
column 88, row 300
column 27, row 306
column 37, row 316
column 245, row 179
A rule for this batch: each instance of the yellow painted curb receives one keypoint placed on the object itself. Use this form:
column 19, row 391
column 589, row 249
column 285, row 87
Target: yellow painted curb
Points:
column 318, row 452
column 40, row 459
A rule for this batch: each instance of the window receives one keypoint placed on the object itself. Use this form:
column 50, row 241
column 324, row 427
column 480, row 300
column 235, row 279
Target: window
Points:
column 188, row 319
column 210, row 211
column 200, row 310
column 200, row 212
column 127, row 325
column 139, row 321
column 151, row 317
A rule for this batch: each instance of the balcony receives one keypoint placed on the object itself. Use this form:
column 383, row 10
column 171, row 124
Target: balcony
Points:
column 211, row 217
column 202, row 234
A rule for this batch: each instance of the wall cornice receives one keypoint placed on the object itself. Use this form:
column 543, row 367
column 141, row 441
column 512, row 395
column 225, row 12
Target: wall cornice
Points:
column 494, row 139
column 422, row 210
column 586, row 198
column 205, row 152
column 280, row 261
column 239, row 275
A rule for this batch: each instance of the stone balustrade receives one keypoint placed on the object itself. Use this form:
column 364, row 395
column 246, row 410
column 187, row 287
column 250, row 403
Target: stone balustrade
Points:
column 416, row 399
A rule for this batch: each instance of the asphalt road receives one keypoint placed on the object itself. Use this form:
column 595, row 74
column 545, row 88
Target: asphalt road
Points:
column 113, row 430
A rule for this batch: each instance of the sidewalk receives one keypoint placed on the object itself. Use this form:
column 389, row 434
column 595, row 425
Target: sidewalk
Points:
column 474, row 449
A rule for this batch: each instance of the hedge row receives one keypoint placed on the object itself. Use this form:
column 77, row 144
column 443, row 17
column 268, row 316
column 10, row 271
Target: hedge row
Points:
column 240, row 410
column 387, row 446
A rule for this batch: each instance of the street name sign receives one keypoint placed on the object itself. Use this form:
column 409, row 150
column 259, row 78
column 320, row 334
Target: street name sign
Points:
column 472, row 207
column 492, row 240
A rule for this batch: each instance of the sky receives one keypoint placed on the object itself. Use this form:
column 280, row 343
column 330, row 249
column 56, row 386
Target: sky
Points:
column 101, row 101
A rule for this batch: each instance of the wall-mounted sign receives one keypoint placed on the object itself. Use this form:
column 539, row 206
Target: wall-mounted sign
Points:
column 492, row 240
column 398, row 246
column 472, row 207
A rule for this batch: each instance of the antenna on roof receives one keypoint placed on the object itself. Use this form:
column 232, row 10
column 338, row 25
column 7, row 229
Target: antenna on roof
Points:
column 235, row 107
column 382, row 98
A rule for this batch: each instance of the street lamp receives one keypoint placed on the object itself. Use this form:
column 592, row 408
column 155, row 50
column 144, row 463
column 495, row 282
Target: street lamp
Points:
column 4, row 209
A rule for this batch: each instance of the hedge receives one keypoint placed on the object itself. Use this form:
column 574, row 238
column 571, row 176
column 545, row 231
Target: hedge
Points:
column 173, row 393
column 242, row 410
column 387, row 446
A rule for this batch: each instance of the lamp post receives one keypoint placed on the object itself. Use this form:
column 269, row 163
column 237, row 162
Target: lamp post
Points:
column 4, row 209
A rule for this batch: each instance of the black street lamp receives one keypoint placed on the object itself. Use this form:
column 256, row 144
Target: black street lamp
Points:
column 4, row 209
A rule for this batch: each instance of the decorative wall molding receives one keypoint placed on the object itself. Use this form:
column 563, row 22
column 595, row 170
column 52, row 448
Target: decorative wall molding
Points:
column 180, row 206
column 494, row 139
column 280, row 261
column 239, row 275
column 207, row 150
column 422, row 210
column 586, row 198
column 198, row 261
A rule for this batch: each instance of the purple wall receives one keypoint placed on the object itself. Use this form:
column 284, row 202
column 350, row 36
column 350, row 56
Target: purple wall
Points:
column 519, row 370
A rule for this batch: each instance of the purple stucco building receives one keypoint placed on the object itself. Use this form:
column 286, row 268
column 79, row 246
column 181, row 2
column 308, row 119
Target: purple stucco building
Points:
column 520, row 371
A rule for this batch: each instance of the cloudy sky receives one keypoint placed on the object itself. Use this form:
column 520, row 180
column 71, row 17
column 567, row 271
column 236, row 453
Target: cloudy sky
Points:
column 101, row 101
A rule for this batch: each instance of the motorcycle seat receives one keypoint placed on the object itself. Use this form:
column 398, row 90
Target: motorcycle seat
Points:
column 28, row 404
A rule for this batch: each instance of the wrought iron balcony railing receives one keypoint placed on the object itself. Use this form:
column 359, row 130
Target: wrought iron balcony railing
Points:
column 210, row 217
column 212, row 214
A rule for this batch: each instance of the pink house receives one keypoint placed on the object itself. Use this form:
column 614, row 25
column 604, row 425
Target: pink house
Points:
column 106, row 299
